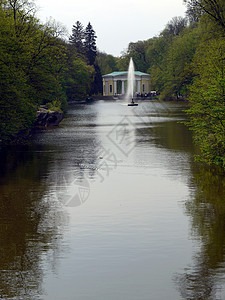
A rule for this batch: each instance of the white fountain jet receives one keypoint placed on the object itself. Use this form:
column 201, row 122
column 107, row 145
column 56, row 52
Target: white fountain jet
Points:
column 131, row 84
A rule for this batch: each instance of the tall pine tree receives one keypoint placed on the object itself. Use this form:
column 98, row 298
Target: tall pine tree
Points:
column 77, row 38
column 90, row 44
column 84, row 43
column 96, row 87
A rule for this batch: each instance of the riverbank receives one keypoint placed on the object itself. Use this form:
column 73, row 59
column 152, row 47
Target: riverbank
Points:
column 47, row 118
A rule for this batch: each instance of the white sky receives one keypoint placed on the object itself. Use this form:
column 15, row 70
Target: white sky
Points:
column 116, row 22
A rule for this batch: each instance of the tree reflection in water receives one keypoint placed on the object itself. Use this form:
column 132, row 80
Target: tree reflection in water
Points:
column 30, row 225
column 207, row 213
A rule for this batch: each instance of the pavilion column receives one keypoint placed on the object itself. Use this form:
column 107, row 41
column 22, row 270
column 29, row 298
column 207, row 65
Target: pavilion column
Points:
column 115, row 86
column 148, row 90
column 106, row 88
column 139, row 86
column 123, row 87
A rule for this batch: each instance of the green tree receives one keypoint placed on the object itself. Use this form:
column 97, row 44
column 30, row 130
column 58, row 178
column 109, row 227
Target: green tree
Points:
column 156, row 56
column 123, row 62
column 46, row 65
column 31, row 62
column 170, row 58
column 97, row 83
column 90, row 44
column 207, row 97
column 77, row 78
column 214, row 9
column 106, row 62
column 207, row 111
column 16, row 109
column 179, row 71
column 138, row 52
column 176, row 25
column 38, row 67
column 77, row 38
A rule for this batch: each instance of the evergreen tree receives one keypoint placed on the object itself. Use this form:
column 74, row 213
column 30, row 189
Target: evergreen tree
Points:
column 77, row 37
column 97, row 83
column 90, row 44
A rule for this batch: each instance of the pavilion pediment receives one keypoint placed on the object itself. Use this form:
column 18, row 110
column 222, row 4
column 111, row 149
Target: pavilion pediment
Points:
column 123, row 75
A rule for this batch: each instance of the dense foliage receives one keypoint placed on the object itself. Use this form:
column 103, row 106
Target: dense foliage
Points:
column 38, row 67
column 207, row 95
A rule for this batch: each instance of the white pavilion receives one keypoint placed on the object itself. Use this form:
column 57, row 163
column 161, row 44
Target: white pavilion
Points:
column 115, row 83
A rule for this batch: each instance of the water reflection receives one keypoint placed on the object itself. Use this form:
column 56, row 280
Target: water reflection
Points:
column 204, row 279
column 30, row 226
column 76, row 155
column 36, row 181
column 131, row 237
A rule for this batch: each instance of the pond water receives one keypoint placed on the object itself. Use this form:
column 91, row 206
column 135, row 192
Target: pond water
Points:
column 111, row 205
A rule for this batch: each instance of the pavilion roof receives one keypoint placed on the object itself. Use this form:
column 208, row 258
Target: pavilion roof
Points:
column 124, row 73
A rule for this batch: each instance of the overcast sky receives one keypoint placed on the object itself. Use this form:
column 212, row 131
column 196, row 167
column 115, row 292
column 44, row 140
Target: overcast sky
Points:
column 116, row 22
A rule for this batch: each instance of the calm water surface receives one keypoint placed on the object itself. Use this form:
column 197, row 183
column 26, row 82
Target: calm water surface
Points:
column 111, row 206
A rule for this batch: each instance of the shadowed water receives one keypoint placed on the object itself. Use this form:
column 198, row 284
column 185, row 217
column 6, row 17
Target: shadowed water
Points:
column 110, row 205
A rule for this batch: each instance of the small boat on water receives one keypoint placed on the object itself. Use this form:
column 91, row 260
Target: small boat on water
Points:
column 132, row 103
column 89, row 100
